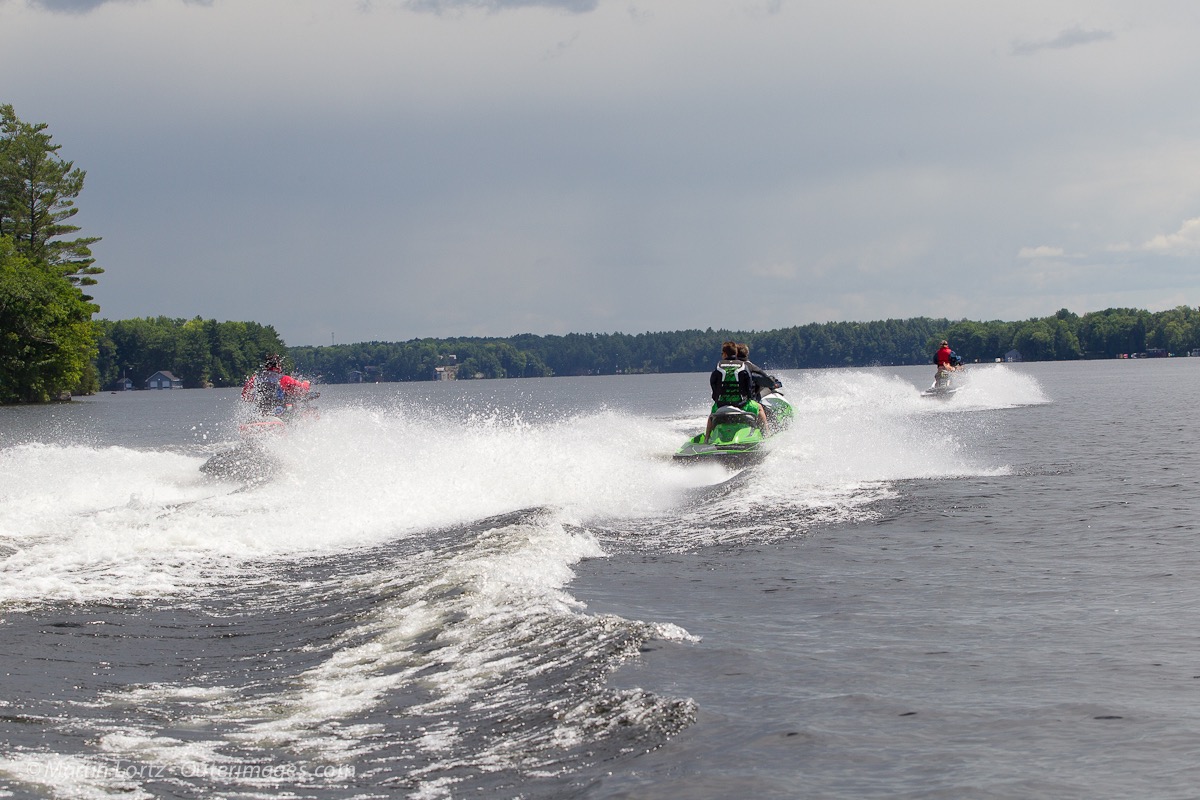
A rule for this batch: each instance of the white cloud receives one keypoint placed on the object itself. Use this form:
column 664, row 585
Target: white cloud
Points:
column 1041, row 251
column 1185, row 241
column 782, row 270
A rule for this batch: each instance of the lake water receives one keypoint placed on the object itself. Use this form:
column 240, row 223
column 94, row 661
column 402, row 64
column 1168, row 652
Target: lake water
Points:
column 507, row 589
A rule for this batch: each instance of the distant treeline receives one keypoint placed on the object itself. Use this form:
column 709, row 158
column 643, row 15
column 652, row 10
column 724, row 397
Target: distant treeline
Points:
column 206, row 352
column 1063, row 336
column 197, row 351
column 527, row 355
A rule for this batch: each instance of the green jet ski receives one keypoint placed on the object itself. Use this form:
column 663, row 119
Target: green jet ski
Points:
column 736, row 437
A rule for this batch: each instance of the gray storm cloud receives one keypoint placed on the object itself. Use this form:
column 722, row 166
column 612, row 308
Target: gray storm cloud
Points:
column 85, row 6
column 426, row 169
column 1076, row 36
column 67, row 6
column 436, row 6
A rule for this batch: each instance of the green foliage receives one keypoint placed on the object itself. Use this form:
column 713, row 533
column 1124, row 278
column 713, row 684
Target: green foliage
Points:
column 204, row 351
column 1114, row 331
column 46, row 337
column 37, row 198
column 1064, row 335
column 418, row 359
column 199, row 352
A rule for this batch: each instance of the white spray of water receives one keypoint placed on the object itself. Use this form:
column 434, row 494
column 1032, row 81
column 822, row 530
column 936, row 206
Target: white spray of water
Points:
column 854, row 434
column 998, row 386
column 85, row 523
column 82, row 523
column 90, row 524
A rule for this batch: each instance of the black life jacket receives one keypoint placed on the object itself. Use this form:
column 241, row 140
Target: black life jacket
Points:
column 734, row 388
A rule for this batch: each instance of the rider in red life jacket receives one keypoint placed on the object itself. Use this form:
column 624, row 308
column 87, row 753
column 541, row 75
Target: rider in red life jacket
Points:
column 945, row 357
column 270, row 389
column 947, row 361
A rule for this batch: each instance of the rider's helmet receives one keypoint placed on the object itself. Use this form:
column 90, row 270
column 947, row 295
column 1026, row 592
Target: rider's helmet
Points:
column 273, row 362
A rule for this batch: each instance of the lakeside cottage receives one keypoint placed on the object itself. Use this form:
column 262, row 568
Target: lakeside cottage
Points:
column 447, row 370
column 163, row 379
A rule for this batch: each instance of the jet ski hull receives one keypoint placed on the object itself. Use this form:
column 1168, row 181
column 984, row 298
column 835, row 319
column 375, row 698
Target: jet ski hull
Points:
column 248, row 463
column 736, row 438
column 945, row 385
column 697, row 451
column 251, row 461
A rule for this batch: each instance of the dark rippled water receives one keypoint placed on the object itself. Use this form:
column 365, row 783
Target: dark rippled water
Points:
column 520, row 596
column 1024, row 634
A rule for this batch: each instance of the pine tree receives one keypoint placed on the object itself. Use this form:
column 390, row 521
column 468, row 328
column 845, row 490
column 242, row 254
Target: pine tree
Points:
column 37, row 198
column 47, row 339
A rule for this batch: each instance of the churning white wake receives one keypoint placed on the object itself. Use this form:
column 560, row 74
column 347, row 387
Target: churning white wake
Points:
column 84, row 523
column 94, row 523
column 856, row 433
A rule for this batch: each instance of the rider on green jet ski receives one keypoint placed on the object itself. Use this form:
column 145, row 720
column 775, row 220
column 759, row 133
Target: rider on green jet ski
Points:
column 732, row 386
column 758, row 377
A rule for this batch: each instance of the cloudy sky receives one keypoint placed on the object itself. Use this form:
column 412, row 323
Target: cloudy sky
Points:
column 353, row 170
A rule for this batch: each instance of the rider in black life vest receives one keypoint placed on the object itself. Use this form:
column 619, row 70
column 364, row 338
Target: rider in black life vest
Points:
column 758, row 377
column 732, row 386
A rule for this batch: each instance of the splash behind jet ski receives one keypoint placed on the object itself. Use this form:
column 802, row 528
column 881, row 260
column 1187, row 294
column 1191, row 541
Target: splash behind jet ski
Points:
column 252, row 459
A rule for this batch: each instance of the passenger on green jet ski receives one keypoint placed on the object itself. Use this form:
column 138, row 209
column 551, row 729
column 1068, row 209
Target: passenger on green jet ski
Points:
column 732, row 386
column 758, row 377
